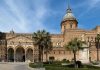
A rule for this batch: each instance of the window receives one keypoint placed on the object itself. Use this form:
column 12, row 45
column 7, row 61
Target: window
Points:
column 64, row 27
column 71, row 25
column 54, row 52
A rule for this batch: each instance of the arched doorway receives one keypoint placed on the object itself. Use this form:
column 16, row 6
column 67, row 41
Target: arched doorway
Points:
column 10, row 54
column 20, row 54
column 29, row 54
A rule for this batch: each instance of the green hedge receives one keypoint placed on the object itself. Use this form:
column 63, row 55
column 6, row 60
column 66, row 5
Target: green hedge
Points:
column 63, row 68
column 85, row 67
column 60, row 67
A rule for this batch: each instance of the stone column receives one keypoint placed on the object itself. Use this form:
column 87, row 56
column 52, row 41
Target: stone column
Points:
column 33, row 55
column 7, row 54
column 25, row 55
column 14, row 55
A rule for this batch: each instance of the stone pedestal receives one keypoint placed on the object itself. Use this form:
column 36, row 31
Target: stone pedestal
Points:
column 84, row 54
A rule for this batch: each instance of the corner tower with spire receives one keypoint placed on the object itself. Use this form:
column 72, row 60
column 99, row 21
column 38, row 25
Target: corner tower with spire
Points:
column 69, row 21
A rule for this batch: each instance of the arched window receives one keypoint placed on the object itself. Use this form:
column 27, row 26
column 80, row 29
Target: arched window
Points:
column 54, row 52
column 71, row 25
column 64, row 27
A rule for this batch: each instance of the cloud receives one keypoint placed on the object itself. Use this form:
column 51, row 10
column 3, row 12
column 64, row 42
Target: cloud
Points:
column 90, row 5
column 23, row 15
column 20, row 23
column 94, row 3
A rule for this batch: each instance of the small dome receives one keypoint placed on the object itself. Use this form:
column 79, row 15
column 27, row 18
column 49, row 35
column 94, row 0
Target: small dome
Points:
column 69, row 15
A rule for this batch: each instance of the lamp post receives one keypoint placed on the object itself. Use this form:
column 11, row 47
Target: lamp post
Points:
column 90, row 40
column 97, row 43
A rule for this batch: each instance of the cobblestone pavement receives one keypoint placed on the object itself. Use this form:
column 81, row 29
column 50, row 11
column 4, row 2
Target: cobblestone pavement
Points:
column 14, row 66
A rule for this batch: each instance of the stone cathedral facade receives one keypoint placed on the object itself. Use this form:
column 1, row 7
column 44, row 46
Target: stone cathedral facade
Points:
column 19, row 47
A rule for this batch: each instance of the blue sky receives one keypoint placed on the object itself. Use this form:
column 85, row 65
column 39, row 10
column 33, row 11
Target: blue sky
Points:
column 27, row 16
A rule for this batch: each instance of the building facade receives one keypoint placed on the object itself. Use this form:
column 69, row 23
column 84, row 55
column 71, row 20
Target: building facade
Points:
column 19, row 47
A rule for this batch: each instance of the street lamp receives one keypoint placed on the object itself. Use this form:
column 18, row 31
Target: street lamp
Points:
column 90, row 40
column 97, row 43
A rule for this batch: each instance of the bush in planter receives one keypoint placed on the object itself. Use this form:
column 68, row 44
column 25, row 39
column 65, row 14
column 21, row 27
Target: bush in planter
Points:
column 65, row 61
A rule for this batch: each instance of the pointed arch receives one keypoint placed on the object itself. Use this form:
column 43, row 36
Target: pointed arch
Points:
column 29, row 54
column 20, row 54
column 10, row 54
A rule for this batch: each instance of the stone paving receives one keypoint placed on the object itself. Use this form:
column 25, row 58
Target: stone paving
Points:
column 14, row 66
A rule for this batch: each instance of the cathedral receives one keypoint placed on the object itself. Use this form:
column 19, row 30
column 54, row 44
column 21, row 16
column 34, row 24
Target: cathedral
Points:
column 19, row 47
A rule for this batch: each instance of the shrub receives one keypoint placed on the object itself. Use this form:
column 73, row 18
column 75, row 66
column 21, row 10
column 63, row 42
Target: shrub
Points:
column 67, row 67
column 65, row 61
column 68, row 61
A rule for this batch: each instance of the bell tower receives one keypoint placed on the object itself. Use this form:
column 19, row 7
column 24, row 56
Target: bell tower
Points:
column 69, row 21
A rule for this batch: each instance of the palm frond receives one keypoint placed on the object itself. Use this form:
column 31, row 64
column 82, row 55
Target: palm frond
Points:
column 74, row 45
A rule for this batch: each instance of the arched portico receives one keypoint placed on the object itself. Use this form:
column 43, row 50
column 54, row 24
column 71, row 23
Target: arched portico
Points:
column 29, row 54
column 10, row 54
column 20, row 54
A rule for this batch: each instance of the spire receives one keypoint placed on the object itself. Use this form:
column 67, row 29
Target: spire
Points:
column 69, row 15
column 12, row 31
column 68, row 4
column 69, row 9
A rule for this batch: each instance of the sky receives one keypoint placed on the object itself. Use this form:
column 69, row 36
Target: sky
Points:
column 28, row 16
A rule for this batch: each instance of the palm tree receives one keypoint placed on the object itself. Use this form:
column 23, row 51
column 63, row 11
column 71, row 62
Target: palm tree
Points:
column 42, row 39
column 47, row 47
column 74, row 45
column 97, row 40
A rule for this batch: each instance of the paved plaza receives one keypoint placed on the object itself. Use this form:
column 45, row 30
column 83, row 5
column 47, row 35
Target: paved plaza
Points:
column 14, row 66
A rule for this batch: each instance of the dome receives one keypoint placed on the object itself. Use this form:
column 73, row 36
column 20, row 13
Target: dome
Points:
column 69, row 15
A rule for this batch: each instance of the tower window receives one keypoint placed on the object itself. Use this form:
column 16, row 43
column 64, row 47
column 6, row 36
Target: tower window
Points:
column 64, row 27
column 54, row 52
column 71, row 24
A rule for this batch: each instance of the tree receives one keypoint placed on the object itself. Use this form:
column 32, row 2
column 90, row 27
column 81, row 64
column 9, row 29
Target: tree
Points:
column 97, row 40
column 47, row 46
column 42, row 39
column 74, row 45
